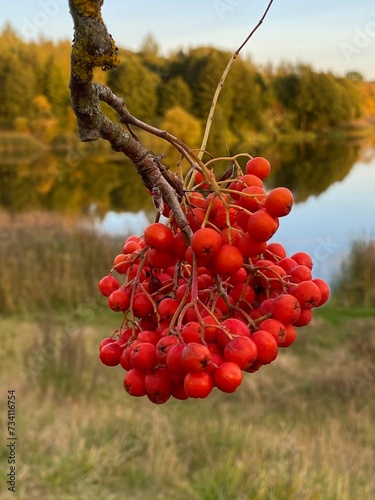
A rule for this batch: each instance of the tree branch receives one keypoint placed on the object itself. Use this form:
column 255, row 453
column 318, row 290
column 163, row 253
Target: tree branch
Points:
column 118, row 104
column 94, row 47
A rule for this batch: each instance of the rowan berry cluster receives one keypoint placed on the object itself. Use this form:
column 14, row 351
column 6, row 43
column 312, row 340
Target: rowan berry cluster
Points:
column 198, row 315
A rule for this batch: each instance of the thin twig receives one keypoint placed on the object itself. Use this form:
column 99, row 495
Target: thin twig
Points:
column 118, row 104
column 222, row 81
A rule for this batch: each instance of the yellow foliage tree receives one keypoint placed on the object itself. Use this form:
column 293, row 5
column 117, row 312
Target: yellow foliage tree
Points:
column 183, row 125
column 43, row 124
column 367, row 91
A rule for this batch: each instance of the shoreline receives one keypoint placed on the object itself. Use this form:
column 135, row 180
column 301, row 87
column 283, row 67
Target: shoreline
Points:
column 12, row 142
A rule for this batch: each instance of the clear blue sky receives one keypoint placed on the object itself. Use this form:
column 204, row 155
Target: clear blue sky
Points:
column 335, row 35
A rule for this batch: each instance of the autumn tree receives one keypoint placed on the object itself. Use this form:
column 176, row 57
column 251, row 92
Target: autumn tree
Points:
column 316, row 100
column 137, row 84
column 18, row 79
column 174, row 92
column 254, row 99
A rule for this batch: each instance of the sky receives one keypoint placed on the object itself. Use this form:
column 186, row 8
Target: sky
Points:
column 330, row 35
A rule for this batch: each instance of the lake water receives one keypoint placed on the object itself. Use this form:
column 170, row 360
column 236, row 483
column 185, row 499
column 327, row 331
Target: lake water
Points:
column 325, row 225
column 333, row 185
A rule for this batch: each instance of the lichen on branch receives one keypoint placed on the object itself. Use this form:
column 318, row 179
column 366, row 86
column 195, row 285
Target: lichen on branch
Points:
column 88, row 8
column 93, row 47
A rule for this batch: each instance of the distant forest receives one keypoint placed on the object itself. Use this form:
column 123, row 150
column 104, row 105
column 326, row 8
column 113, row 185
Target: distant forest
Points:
column 175, row 92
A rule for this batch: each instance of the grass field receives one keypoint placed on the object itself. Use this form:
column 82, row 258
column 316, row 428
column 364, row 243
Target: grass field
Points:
column 301, row 428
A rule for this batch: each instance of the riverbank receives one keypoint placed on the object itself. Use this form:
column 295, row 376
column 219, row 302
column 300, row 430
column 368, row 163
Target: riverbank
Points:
column 15, row 142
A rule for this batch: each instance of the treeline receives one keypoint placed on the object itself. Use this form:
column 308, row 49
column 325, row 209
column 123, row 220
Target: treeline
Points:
column 175, row 92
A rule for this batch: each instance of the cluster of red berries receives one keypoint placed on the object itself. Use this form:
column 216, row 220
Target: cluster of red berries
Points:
column 198, row 314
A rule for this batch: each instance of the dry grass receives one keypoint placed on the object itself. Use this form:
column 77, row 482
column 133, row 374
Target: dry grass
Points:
column 300, row 429
column 292, row 431
column 354, row 284
column 47, row 262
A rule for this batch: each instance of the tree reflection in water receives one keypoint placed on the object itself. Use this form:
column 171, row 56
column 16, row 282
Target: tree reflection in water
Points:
column 110, row 183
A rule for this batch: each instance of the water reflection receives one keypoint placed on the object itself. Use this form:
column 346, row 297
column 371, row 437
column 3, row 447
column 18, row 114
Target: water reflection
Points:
column 52, row 183
column 333, row 184
column 326, row 225
column 309, row 168
column 72, row 184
